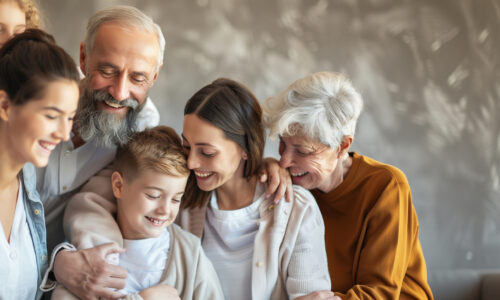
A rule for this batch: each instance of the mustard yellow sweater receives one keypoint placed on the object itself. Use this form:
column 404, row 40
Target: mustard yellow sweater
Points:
column 372, row 235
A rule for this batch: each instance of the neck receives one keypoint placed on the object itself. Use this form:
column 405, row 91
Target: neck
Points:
column 10, row 163
column 237, row 193
column 339, row 174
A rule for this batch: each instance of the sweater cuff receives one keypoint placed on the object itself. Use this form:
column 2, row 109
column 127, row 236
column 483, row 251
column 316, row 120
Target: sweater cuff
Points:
column 47, row 283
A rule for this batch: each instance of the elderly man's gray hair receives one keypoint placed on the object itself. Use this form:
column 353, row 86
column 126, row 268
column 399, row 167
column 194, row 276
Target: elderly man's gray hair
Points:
column 323, row 106
column 127, row 16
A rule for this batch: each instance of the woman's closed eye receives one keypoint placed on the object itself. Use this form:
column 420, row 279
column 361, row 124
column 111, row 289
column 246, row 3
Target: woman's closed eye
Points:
column 208, row 153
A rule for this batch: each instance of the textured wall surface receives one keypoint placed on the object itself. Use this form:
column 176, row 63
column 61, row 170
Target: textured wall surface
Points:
column 428, row 71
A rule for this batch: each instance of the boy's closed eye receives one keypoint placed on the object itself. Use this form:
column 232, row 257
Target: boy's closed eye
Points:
column 153, row 196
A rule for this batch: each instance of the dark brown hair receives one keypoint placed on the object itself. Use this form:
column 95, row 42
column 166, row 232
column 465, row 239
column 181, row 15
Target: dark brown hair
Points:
column 231, row 107
column 158, row 149
column 31, row 60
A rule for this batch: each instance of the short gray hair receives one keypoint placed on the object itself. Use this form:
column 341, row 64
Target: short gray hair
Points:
column 127, row 16
column 324, row 106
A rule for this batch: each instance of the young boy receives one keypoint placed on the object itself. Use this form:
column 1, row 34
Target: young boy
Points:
column 148, row 181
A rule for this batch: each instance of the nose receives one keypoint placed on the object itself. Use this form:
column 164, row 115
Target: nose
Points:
column 286, row 159
column 192, row 161
column 120, row 88
column 63, row 130
column 163, row 207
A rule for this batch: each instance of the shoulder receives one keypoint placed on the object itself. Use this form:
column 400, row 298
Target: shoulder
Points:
column 148, row 116
column 376, row 172
column 302, row 209
column 302, row 197
column 184, row 239
column 385, row 187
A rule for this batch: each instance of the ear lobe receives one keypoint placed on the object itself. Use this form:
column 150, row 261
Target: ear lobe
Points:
column 117, row 184
column 5, row 105
column 244, row 156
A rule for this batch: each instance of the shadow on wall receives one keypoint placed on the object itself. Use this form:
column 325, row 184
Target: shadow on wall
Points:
column 428, row 70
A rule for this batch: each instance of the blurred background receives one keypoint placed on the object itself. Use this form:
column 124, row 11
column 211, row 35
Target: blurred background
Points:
column 428, row 71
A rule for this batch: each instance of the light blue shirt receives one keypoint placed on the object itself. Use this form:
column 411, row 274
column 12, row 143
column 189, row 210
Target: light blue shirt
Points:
column 35, row 219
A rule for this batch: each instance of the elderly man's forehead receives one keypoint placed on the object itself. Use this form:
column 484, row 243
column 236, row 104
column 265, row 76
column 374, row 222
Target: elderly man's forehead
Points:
column 128, row 34
column 116, row 41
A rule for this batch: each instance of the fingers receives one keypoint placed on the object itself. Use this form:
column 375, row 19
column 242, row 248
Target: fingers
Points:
column 109, row 248
column 273, row 183
column 326, row 295
column 107, row 276
column 116, row 272
column 99, row 292
column 289, row 188
column 262, row 177
column 280, row 192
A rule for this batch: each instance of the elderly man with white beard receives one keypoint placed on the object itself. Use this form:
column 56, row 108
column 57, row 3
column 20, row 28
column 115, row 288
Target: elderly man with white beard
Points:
column 120, row 58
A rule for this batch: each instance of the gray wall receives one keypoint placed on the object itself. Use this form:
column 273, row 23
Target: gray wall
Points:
column 428, row 71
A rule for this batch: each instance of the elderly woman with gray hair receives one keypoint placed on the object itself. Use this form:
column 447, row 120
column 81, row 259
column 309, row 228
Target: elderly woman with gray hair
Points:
column 371, row 225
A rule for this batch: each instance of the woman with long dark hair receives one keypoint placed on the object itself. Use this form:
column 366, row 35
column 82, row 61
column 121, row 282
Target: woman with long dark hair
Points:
column 38, row 99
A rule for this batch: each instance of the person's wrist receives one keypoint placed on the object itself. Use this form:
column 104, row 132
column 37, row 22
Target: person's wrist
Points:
column 49, row 280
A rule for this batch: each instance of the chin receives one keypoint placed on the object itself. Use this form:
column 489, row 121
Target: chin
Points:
column 40, row 163
column 206, row 187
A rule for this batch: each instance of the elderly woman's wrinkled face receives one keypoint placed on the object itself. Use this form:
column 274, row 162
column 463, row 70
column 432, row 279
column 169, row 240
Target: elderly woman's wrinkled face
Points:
column 311, row 164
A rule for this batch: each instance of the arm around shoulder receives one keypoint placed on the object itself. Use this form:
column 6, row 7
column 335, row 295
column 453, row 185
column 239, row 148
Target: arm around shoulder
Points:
column 88, row 218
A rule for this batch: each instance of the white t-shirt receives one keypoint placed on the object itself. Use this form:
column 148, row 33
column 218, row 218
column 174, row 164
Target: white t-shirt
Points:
column 145, row 261
column 228, row 241
column 18, row 268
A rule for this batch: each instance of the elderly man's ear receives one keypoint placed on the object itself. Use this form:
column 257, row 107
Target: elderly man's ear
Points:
column 83, row 56
column 156, row 74
column 345, row 144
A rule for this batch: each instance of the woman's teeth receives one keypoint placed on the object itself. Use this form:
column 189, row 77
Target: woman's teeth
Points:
column 198, row 174
column 47, row 146
column 298, row 174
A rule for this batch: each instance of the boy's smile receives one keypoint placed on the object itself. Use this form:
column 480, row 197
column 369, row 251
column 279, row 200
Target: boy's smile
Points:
column 148, row 203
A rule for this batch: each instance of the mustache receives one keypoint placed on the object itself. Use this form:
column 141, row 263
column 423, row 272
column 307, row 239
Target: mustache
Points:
column 101, row 95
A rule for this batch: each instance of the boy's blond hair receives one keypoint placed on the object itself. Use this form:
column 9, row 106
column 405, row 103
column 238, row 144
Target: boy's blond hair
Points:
column 158, row 149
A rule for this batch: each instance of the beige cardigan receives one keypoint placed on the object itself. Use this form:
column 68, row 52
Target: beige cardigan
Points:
column 289, row 257
column 88, row 222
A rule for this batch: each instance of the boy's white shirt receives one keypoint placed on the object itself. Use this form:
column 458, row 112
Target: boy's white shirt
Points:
column 145, row 261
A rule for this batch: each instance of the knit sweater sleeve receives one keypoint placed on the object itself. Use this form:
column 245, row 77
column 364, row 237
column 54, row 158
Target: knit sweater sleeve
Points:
column 88, row 218
column 307, row 269
column 387, row 243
